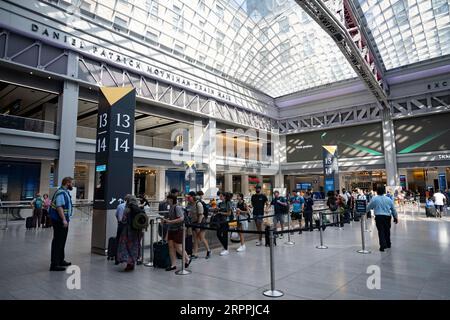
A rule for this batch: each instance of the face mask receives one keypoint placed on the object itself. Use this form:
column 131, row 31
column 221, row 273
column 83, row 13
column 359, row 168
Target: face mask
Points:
column 69, row 188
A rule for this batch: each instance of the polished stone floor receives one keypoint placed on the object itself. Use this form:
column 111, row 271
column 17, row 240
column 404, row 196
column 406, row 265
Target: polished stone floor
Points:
column 417, row 267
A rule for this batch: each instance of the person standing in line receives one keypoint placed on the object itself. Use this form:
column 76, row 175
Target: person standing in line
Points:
column 200, row 234
column 195, row 213
column 224, row 214
column 259, row 203
column 37, row 204
column 383, row 208
column 242, row 215
column 439, row 202
column 308, row 211
column 280, row 207
column 60, row 212
column 297, row 203
column 120, row 224
column 175, row 220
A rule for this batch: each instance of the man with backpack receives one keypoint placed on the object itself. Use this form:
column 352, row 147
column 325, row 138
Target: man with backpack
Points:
column 60, row 212
column 37, row 205
column 297, row 203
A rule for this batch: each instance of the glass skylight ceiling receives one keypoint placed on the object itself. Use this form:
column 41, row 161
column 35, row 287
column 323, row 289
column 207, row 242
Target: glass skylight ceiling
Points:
column 408, row 31
column 270, row 45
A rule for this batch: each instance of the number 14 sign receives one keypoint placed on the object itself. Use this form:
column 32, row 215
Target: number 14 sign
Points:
column 115, row 144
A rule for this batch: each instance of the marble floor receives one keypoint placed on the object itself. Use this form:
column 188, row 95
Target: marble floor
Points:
column 417, row 267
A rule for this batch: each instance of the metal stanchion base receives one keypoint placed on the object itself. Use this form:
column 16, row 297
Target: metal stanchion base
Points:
column 148, row 264
column 289, row 243
column 364, row 251
column 322, row 247
column 273, row 293
column 183, row 272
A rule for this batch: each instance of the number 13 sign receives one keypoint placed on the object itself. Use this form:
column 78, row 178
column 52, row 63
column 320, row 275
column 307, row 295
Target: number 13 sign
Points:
column 115, row 143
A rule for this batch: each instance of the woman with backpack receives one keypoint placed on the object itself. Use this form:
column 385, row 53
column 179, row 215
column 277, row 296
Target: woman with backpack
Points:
column 242, row 215
column 37, row 205
column 129, row 244
column 197, row 213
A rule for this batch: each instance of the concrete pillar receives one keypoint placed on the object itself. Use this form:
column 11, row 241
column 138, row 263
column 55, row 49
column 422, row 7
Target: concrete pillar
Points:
column 150, row 183
column 390, row 151
column 132, row 180
column 210, row 151
column 89, row 195
column 44, row 181
column 67, row 123
column 160, row 184
column 244, row 185
column 228, row 187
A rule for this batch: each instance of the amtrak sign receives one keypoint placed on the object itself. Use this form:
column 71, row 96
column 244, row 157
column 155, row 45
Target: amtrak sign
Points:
column 129, row 62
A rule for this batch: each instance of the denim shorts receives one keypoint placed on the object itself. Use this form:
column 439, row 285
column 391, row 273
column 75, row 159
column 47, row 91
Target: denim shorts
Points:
column 258, row 218
column 279, row 217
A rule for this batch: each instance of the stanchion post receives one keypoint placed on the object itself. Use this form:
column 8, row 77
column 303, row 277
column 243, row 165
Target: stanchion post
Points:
column 289, row 242
column 322, row 246
column 273, row 293
column 363, row 237
column 365, row 226
column 150, row 261
column 183, row 261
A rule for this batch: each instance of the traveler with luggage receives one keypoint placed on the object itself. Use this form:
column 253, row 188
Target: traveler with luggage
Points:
column 37, row 205
column 60, row 211
column 430, row 209
column 242, row 215
column 112, row 248
column 175, row 222
column 297, row 203
column 259, row 204
column 129, row 244
column 280, row 208
column 383, row 208
column 439, row 202
column 202, row 218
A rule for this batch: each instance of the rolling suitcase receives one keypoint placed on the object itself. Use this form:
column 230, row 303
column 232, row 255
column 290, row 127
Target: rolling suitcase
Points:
column 112, row 248
column 161, row 258
column 30, row 223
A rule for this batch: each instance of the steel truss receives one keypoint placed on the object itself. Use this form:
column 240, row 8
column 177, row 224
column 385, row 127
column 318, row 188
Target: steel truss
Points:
column 348, row 36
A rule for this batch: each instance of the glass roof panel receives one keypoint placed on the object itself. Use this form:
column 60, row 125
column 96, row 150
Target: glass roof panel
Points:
column 408, row 31
column 270, row 45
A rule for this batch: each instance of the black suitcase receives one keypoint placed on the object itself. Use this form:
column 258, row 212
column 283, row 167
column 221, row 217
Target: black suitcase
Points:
column 112, row 248
column 161, row 258
column 430, row 212
column 30, row 223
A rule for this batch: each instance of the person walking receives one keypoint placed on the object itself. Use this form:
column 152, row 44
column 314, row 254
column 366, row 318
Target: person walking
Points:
column 37, row 205
column 280, row 208
column 175, row 221
column 439, row 202
column 259, row 203
column 129, row 245
column 60, row 210
column 383, row 208
column 242, row 216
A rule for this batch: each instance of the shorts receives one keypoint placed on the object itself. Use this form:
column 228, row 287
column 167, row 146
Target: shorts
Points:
column 296, row 215
column 279, row 217
column 176, row 236
column 258, row 218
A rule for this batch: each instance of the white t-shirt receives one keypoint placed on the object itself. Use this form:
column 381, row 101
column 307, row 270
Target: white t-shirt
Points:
column 439, row 199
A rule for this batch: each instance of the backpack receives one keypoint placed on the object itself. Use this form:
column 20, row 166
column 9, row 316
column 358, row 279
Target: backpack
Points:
column 333, row 206
column 205, row 209
column 38, row 203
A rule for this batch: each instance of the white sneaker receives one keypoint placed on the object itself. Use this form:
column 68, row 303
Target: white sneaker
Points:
column 258, row 243
column 241, row 248
column 224, row 253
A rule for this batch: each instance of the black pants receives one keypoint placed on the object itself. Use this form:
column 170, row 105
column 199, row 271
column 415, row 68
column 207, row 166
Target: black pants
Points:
column 58, row 242
column 222, row 234
column 309, row 220
column 120, row 227
column 383, row 224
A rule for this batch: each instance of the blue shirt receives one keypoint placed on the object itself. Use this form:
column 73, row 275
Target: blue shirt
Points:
column 60, row 201
column 297, row 203
column 119, row 211
column 382, row 206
